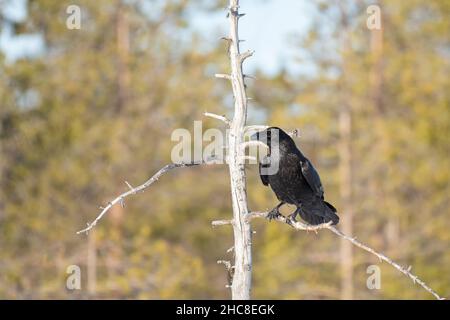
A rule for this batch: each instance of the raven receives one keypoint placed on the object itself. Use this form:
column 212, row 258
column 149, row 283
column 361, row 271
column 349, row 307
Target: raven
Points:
column 294, row 179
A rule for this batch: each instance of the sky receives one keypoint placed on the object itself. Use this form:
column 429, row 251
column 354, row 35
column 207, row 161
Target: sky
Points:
column 269, row 28
column 24, row 45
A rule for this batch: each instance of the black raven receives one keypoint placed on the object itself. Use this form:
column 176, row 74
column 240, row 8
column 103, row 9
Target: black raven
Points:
column 293, row 179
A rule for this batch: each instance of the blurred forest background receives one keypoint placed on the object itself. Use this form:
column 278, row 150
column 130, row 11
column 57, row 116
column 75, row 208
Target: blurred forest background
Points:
column 97, row 106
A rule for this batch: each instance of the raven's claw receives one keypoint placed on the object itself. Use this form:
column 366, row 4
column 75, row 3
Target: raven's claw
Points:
column 273, row 214
column 291, row 219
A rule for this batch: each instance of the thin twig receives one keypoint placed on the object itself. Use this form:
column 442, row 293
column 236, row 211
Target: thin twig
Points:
column 217, row 223
column 230, row 271
column 218, row 117
column 254, row 128
column 254, row 143
column 405, row 271
column 121, row 198
column 245, row 55
column 382, row 257
column 226, row 263
column 223, row 76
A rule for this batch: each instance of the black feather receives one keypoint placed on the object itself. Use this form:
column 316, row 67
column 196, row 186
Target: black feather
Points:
column 293, row 178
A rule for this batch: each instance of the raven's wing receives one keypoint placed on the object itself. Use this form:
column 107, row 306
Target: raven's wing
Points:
column 312, row 177
column 264, row 177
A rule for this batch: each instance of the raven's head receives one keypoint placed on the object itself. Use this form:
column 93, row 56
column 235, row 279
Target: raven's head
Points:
column 273, row 136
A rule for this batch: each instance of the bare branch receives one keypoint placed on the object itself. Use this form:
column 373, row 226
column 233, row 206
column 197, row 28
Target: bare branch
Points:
column 230, row 271
column 255, row 128
column 226, row 263
column 246, row 55
column 129, row 185
column 218, row 117
column 254, row 143
column 382, row 257
column 298, row 225
column 217, row 223
column 121, row 198
column 405, row 271
column 223, row 76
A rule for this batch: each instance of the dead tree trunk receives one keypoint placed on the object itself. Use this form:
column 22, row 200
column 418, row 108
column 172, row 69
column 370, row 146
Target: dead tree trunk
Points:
column 241, row 282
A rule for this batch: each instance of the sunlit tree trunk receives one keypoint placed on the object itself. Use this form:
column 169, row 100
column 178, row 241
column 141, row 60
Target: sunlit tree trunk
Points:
column 381, row 144
column 241, row 284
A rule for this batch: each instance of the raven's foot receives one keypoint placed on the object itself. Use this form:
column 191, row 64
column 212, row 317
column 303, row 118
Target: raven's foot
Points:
column 291, row 219
column 273, row 214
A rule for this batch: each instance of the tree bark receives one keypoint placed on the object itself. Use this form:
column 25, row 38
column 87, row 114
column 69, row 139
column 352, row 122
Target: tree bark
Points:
column 241, row 284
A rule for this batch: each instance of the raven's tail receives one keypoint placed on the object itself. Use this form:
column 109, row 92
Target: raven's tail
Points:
column 317, row 213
